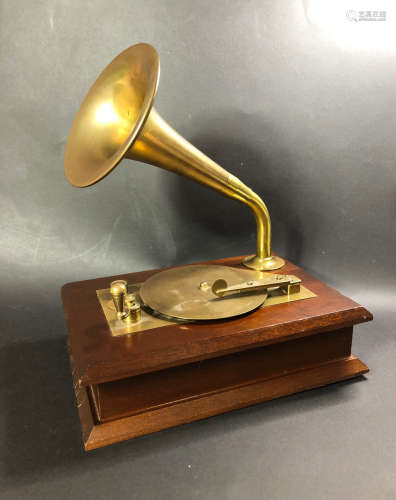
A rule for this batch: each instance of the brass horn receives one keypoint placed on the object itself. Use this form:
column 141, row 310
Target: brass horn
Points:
column 116, row 120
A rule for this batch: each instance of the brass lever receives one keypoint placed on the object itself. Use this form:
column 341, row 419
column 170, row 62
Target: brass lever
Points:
column 286, row 283
column 127, row 307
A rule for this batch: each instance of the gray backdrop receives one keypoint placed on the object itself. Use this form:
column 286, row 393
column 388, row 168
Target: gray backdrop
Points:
column 303, row 116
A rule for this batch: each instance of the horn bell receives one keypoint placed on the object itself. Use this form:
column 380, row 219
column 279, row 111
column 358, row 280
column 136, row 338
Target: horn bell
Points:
column 112, row 115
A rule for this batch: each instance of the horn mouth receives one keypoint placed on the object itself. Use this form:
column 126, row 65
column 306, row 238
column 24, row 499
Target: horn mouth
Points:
column 112, row 115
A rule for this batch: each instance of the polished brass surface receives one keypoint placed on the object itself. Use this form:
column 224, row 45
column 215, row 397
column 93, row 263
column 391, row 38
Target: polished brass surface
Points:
column 286, row 283
column 116, row 120
column 118, row 326
column 118, row 289
column 126, row 304
column 111, row 115
column 132, row 309
column 151, row 320
column 130, row 300
column 262, row 263
column 219, row 286
column 178, row 293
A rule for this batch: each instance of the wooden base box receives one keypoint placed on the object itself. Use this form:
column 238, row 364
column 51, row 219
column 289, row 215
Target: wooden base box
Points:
column 142, row 382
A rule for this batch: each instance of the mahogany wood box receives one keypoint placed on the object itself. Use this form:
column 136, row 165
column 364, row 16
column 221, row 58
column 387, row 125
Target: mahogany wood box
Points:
column 143, row 382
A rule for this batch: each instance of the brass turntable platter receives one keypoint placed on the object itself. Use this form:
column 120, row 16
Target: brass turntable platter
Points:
column 185, row 292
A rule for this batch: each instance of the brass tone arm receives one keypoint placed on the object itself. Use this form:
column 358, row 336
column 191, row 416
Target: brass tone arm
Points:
column 286, row 283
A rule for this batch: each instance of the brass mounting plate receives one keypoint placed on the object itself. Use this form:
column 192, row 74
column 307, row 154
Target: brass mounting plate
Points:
column 150, row 319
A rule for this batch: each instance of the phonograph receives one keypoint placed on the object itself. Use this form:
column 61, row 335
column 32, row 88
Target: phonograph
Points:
column 159, row 348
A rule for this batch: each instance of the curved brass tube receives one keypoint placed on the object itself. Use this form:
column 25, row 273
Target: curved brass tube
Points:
column 160, row 145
